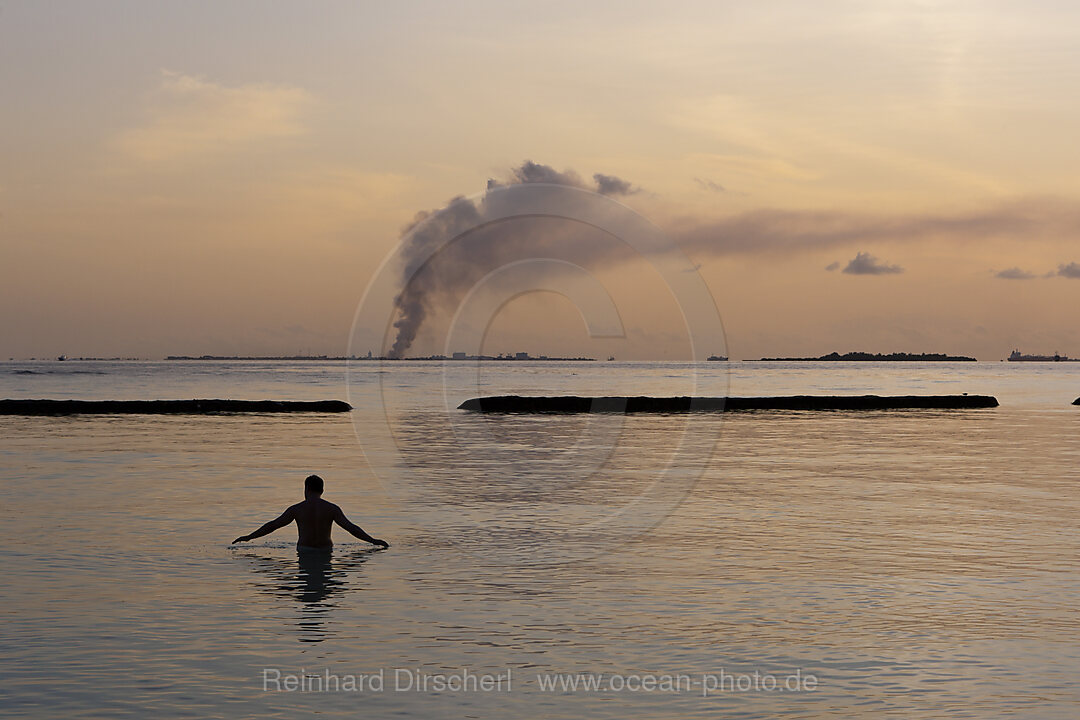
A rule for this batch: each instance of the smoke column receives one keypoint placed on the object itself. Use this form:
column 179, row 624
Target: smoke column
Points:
column 461, row 259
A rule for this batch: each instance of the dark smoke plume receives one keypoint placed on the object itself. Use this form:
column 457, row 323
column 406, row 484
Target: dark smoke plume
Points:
column 611, row 185
column 461, row 257
column 459, row 261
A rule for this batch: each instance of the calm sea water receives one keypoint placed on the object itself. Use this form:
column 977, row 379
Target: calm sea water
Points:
column 915, row 564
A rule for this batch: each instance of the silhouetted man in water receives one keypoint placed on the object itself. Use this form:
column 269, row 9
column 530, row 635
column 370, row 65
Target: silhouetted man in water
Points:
column 314, row 517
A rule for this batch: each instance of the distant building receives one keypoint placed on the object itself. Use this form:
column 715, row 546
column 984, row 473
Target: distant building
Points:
column 521, row 356
column 459, row 356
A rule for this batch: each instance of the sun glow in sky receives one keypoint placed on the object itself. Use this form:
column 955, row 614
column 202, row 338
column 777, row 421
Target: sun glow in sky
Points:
column 189, row 178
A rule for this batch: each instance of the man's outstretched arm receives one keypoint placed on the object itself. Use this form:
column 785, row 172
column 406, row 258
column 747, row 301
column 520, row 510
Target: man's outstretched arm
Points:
column 356, row 531
column 281, row 521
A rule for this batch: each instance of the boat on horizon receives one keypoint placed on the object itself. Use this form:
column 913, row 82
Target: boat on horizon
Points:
column 1018, row 356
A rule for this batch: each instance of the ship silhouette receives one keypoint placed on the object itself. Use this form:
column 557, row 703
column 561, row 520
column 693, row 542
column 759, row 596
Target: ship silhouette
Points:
column 1018, row 356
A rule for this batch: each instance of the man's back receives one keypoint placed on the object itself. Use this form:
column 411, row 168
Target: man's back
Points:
column 314, row 518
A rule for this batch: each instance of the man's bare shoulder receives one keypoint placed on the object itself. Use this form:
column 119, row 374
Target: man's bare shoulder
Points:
column 320, row 505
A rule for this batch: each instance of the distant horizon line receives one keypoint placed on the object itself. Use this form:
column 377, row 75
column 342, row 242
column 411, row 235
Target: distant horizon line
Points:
column 855, row 356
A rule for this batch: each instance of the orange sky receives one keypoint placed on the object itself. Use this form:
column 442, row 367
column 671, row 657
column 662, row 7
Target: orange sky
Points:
column 195, row 178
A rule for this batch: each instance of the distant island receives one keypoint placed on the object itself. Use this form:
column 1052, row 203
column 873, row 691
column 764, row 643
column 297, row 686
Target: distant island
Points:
column 342, row 358
column 261, row 357
column 877, row 357
column 64, row 358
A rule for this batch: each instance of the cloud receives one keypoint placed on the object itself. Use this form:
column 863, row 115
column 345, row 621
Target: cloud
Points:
column 706, row 184
column 533, row 172
column 782, row 231
column 867, row 264
column 1072, row 270
column 1015, row 273
column 611, row 185
column 189, row 118
column 833, row 266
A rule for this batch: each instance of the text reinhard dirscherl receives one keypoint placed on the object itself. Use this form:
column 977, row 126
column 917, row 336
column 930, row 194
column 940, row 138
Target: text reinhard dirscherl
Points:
column 465, row 680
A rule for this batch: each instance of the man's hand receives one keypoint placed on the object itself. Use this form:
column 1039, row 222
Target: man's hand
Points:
column 355, row 530
column 280, row 522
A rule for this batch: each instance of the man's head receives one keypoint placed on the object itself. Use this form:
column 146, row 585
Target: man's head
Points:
column 313, row 485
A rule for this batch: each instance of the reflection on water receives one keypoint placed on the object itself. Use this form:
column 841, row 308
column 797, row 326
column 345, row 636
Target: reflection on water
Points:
column 314, row 579
column 919, row 564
